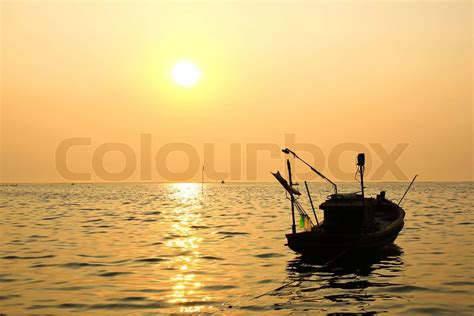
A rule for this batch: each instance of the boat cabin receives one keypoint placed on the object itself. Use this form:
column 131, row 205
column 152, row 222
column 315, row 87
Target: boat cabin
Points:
column 343, row 213
column 350, row 213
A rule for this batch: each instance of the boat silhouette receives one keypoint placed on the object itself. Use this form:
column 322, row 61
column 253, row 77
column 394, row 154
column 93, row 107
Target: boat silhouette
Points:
column 351, row 220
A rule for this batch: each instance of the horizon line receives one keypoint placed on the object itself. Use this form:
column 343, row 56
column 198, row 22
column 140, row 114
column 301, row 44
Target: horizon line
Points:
column 226, row 182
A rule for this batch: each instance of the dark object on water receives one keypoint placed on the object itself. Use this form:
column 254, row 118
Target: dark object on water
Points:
column 351, row 221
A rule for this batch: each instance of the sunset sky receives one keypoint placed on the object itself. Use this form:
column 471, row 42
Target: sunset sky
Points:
column 327, row 73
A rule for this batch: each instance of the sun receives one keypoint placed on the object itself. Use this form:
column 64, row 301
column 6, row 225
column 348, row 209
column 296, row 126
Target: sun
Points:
column 185, row 73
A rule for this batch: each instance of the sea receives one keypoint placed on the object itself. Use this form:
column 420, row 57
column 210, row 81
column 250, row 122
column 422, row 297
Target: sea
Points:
column 188, row 248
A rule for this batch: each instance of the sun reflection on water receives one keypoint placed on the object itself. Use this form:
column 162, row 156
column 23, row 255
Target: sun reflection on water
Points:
column 186, row 289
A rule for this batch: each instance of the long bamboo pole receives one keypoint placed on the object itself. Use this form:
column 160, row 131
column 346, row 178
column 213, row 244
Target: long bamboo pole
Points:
column 288, row 151
column 311, row 201
column 407, row 189
column 293, row 226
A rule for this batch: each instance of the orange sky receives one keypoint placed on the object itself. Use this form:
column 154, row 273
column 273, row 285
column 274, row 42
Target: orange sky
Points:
column 329, row 73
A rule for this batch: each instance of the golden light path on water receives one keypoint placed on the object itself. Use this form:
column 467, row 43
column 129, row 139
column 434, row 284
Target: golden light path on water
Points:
column 186, row 286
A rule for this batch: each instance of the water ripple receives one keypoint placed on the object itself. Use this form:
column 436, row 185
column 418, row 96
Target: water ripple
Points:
column 169, row 249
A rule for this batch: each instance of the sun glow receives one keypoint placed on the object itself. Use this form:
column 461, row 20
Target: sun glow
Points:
column 185, row 73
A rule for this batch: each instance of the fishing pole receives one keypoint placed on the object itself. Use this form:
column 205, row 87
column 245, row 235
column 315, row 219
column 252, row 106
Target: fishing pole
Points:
column 289, row 151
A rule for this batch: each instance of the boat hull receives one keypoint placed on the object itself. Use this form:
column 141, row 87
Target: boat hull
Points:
column 321, row 242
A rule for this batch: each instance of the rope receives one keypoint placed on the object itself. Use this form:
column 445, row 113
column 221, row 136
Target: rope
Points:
column 294, row 281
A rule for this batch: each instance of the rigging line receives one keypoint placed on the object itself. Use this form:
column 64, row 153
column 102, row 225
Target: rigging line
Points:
column 294, row 281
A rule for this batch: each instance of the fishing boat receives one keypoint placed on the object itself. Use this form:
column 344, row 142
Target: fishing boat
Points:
column 351, row 220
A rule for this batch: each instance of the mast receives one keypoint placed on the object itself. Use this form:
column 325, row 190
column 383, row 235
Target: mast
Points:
column 202, row 180
column 293, row 226
column 367, row 211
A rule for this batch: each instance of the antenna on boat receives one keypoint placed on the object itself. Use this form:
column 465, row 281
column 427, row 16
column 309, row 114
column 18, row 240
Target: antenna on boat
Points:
column 288, row 151
column 361, row 169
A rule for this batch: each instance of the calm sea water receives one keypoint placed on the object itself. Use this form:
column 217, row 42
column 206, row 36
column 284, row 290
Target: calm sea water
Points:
column 168, row 248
